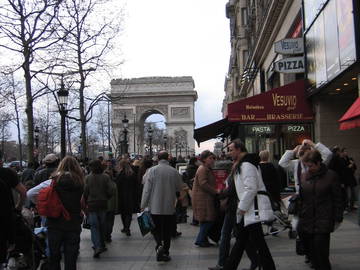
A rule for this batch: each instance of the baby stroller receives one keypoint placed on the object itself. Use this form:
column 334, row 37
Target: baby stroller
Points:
column 281, row 222
column 28, row 251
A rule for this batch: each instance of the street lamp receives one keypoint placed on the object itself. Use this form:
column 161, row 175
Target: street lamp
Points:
column 125, row 122
column 63, row 100
column 150, row 133
column 36, row 133
column 165, row 141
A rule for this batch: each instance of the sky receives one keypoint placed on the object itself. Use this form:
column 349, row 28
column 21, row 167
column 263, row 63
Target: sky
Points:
column 180, row 38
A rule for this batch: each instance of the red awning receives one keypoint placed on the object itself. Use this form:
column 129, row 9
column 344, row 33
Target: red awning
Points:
column 212, row 131
column 284, row 104
column 351, row 118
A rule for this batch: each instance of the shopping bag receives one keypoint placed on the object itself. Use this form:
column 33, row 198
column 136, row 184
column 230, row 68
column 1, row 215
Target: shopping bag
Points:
column 86, row 224
column 146, row 223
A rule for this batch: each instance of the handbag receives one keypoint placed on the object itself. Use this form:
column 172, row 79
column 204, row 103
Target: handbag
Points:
column 146, row 224
column 86, row 224
column 300, row 247
column 294, row 205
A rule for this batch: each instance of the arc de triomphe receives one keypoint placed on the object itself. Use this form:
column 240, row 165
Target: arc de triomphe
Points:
column 138, row 98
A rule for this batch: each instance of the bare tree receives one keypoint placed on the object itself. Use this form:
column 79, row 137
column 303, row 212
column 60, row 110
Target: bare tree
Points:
column 12, row 92
column 91, row 35
column 27, row 29
column 5, row 133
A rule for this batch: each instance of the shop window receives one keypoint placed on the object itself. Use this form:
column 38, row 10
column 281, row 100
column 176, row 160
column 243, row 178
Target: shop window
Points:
column 244, row 16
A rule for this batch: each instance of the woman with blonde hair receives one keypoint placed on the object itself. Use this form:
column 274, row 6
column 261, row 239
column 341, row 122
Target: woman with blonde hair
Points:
column 69, row 184
column 127, row 186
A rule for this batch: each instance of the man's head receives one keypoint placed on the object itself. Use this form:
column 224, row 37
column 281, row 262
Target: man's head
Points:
column 163, row 155
column 303, row 149
column 50, row 160
column 237, row 149
column 312, row 159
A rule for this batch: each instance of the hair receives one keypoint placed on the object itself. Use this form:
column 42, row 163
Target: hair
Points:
column 71, row 167
column 145, row 164
column 96, row 167
column 238, row 144
column 264, row 155
column 124, row 166
column 205, row 154
column 163, row 155
column 312, row 156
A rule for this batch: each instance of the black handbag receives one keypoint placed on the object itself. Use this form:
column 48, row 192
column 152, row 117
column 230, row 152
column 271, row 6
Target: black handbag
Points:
column 300, row 247
column 294, row 205
column 86, row 224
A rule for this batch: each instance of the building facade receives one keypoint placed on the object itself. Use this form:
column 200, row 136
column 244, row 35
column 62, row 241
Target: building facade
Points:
column 323, row 74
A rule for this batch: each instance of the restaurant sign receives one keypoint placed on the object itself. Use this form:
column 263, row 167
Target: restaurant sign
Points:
column 284, row 104
column 289, row 46
column 290, row 65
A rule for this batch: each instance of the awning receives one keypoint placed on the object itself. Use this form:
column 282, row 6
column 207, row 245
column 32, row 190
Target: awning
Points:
column 284, row 104
column 351, row 118
column 217, row 129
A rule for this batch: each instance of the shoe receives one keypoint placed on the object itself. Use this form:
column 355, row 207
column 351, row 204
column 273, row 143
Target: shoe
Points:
column 203, row 245
column 159, row 253
column 97, row 252
column 123, row 231
column 176, row 234
column 307, row 259
column 108, row 240
column 217, row 267
column 166, row 258
column 252, row 267
column 128, row 233
column 103, row 249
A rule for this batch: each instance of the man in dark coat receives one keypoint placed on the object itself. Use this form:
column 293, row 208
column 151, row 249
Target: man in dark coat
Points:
column 51, row 162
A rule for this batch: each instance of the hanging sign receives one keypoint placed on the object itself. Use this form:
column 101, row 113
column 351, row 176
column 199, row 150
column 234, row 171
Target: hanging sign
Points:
column 290, row 65
column 289, row 46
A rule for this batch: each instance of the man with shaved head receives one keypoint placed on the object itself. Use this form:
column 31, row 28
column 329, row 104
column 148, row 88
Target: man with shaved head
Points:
column 159, row 196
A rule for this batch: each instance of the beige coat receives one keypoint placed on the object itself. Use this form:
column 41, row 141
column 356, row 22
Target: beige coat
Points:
column 203, row 195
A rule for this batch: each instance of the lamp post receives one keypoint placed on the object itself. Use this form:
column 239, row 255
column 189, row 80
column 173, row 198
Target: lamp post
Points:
column 63, row 100
column 165, row 141
column 176, row 149
column 150, row 133
column 125, row 122
column 36, row 133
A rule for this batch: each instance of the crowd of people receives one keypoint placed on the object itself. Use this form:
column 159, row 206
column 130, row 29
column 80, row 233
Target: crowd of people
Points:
column 94, row 194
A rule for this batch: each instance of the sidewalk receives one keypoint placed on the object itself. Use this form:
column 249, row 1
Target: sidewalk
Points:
column 137, row 252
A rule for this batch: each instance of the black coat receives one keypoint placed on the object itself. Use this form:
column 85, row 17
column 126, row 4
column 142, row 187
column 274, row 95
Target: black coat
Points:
column 271, row 180
column 322, row 203
column 127, row 186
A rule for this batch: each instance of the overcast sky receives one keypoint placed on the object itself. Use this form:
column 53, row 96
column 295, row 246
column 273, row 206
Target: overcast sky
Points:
column 180, row 38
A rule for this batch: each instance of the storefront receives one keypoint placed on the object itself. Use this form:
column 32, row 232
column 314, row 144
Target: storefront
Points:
column 276, row 120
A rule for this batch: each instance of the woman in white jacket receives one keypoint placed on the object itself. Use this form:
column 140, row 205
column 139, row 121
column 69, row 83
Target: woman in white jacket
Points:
column 253, row 208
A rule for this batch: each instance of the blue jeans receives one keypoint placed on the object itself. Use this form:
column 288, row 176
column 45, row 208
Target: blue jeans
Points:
column 97, row 222
column 203, row 232
column 70, row 241
column 224, row 247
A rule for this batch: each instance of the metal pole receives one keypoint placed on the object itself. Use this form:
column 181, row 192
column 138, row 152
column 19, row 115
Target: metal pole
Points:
column 109, row 142
column 134, row 134
column 63, row 133
column 125, row 141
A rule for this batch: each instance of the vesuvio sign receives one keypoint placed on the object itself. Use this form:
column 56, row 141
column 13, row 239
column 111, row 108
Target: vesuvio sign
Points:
column 290, row 65
column 284, row 104
column 289, row 46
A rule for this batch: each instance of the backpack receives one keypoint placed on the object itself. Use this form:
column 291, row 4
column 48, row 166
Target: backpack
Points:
column 49, row 203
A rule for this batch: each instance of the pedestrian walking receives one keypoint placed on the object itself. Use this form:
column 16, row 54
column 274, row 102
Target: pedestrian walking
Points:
column 127, row 187
column 203, row 198
column 249, row 185
column 162, row 182
column 51, row 162
column 292, row 162
column 321, row 208
column 98, row 190
column 64, row 235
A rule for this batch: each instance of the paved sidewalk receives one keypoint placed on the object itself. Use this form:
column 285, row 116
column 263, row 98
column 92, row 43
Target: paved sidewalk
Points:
column 137, row 252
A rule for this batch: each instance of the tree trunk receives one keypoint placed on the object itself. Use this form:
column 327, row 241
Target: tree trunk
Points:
column 29, row 107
